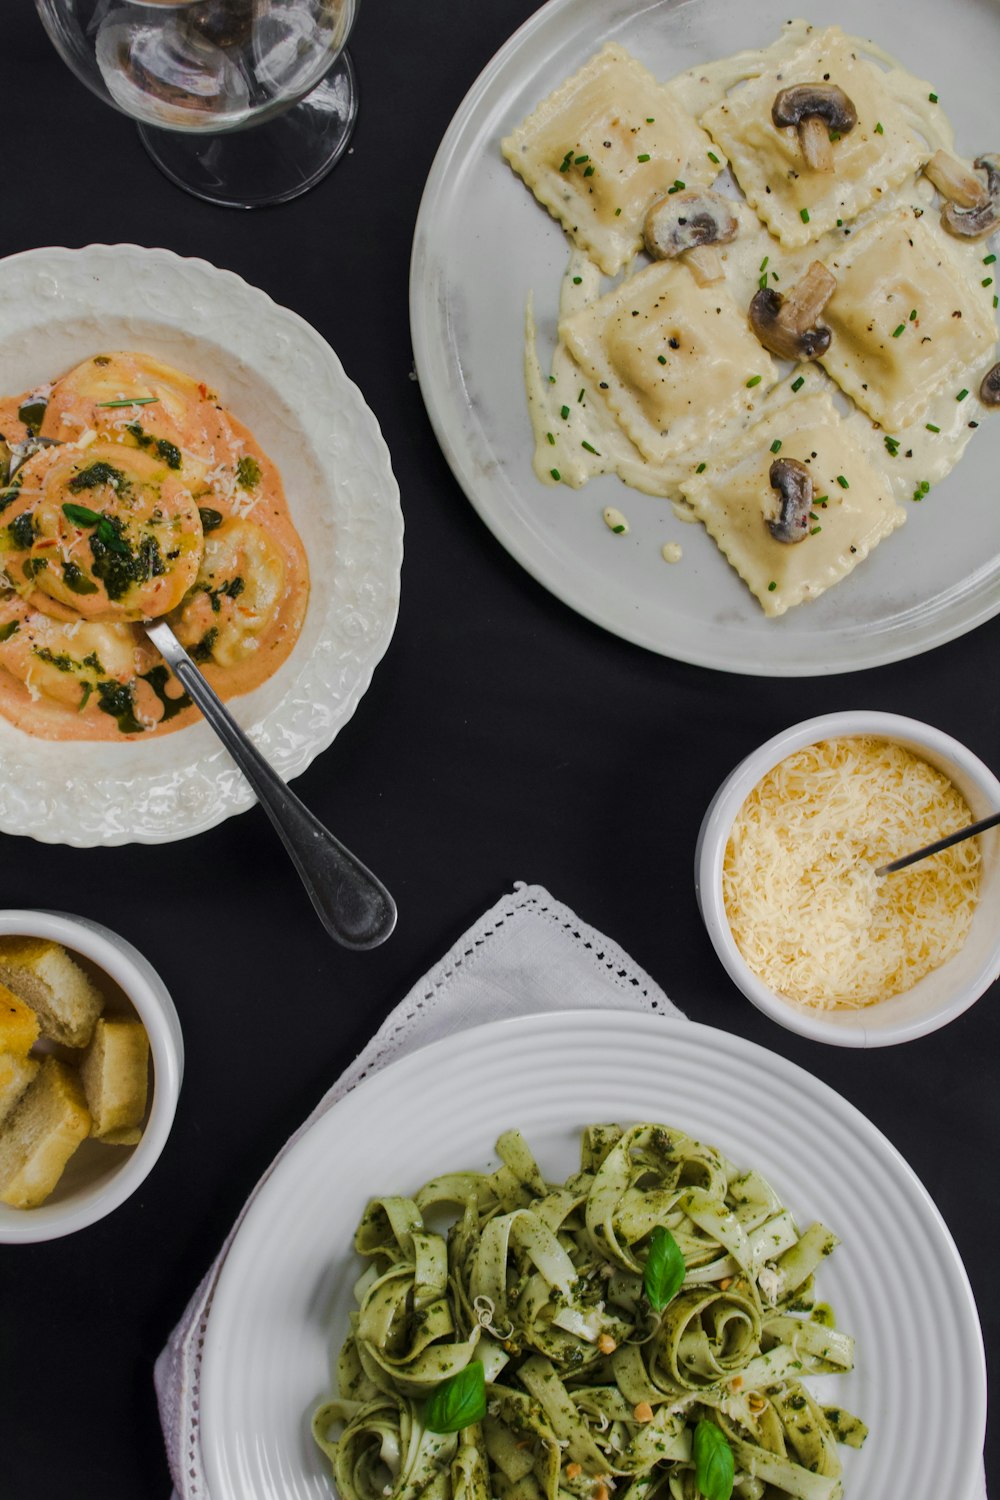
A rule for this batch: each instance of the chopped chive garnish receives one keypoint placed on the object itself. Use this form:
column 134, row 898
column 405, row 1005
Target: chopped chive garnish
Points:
column 589, row 171
column 814, row 529
column 804, row 215
column 564, row 412
column 762, row 283
column 555, row 473
column 754, row 380
column 821, row 500
column 996, row 300
column 932, row 98
column 764, row 262
column 931, row 428
column 988, row 260
column 617, row 212
column 961, row 395
column 552, row 380
column 897, row 331
column 712, row 157
column 892, row 445
column 590, row 449
column 131, row 401
column 577, row 280
column 771, row 586
column 618, row 529
column 579, row 160
column 913, row 315
column 922, row 489
column 650, row 119
column 839, row 223
column 700, row 469
column 662, row 358
column 551, row 438
column 583, row 392
column 843, row 482
column 799, row 383
column 643, row 156
column 776, row 446
column 878, row 128
column 988, row 281
column 834, row 136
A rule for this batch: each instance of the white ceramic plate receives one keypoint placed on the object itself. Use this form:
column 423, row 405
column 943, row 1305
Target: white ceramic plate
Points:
column 281, row 1308
column 279, row 377
column 482, row 244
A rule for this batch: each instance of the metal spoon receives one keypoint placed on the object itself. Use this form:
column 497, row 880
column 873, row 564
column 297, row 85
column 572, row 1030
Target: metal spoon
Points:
column 939, row 844
column 354, row 906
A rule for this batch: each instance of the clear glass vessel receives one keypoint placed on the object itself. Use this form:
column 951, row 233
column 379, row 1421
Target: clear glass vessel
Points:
column 242, row 102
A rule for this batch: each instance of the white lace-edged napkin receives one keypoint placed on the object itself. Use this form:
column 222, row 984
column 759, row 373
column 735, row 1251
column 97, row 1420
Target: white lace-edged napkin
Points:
column 527, row 954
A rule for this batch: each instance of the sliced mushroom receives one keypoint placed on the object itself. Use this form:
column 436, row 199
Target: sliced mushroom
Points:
column 815, row 109
column 787, row 326
column 989, row 391
column 794, row 485
column 954, row 180
column 691, row 224
column 976, row 222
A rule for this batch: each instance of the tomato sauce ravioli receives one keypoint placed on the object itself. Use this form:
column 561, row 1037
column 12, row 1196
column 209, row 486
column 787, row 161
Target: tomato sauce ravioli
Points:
column 150, row 501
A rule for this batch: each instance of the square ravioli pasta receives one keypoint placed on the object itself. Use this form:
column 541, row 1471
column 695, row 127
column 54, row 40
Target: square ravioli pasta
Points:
column 909, row 314
column 795, row 201
column 603, row 147
column 852, row 508
column 672, row 359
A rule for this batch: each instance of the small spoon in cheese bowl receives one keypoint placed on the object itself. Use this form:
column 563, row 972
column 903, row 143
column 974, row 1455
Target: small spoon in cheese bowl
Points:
column 49, row 514
column 969, row 832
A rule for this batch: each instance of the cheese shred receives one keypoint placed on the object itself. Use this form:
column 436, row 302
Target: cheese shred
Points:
column 806, row 909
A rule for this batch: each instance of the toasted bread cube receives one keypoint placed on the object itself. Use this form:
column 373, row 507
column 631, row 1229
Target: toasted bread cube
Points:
column 41, row 1135
column 42, row 974
column 114, row 1071
column 18, row 1024
column 16, row 1073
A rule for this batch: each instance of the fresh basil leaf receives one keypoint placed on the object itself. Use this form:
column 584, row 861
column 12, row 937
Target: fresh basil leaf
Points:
column 713, row 1462
column 664, row 1271
column 457, row 1402
column 80, row 515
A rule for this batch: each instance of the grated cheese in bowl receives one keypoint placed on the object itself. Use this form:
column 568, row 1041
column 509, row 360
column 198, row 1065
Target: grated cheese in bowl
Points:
column 806, row 910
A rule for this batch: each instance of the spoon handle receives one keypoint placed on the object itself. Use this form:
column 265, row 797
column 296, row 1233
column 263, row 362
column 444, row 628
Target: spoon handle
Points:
column 952, row 838
column 354, row 907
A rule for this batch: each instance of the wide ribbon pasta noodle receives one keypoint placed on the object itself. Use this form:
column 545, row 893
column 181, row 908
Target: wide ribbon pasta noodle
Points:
column 588, row 1389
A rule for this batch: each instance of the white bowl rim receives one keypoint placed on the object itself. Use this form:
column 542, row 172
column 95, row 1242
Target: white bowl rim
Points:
column 713, row 837
column 129, row 969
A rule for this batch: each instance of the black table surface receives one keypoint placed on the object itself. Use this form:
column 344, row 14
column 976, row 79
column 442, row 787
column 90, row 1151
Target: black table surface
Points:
column 503, row 738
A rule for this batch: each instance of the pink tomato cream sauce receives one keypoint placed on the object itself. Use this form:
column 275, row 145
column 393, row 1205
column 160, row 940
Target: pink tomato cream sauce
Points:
column 152, row 502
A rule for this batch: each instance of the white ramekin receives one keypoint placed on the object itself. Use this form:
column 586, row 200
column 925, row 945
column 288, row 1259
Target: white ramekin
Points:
column 99, row 1177
column 941, row 995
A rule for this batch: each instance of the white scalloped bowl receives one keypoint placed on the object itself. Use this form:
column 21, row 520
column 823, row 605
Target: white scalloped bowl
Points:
column 98, row 1177
column 942, row 994
column 284, row 381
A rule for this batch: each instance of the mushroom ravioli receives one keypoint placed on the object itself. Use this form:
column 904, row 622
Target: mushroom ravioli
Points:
column 788, row 228
column 129, row 493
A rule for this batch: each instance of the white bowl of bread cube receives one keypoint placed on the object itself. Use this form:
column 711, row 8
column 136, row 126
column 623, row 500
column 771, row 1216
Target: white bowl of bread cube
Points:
column 91, row 1060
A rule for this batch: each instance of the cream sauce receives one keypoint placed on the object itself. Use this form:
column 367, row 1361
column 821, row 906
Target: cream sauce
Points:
column 158, row 502
column 576, row 435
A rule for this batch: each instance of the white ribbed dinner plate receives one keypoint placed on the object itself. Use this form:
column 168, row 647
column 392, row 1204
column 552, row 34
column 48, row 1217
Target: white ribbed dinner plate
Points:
column 896, row 1281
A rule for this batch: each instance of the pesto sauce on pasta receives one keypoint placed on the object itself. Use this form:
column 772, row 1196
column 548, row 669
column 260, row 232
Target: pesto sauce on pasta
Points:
column 588, row 1390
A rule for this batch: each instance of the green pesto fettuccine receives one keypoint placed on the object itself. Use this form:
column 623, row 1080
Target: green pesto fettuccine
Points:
column 590, row 1393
